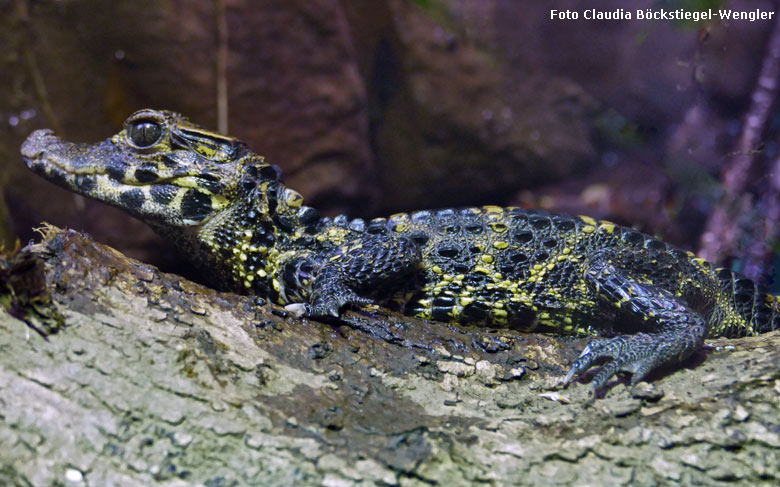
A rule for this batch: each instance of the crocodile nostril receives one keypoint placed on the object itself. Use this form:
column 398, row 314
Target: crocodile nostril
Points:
column 36, row 143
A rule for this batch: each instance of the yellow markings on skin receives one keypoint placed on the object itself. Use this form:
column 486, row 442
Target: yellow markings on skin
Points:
column 292, row 198
column 500, row 244
column 608, row 227
column 218, row 202
column 701, row 263
column 486, row 258
column 187, row 182
column 493, row 209
column 499, row 227
column 206, row 150
column 401, row 222
column 499, row 313
column 482, row 269
column 177, row 198
column 566, row 251
column 588, row 229
column 437, row 269
column 425, row 314
column 588, row 220
column 335, row 234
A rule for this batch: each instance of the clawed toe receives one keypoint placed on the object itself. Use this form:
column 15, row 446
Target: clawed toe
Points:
column 635, row 354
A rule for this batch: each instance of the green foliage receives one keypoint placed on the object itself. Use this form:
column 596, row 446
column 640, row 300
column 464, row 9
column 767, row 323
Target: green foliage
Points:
column 439, row 11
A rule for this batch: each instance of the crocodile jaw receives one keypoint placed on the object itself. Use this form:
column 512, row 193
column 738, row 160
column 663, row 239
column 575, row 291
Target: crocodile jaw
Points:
column 64, row 163
column 100, row 171
column 80, row 168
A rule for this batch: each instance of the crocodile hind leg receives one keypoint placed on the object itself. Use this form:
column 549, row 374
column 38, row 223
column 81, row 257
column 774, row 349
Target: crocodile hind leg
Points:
column 367, row 266
column 671, row 331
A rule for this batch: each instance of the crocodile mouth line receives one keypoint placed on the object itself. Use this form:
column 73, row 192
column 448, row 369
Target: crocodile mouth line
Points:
column 46, row 164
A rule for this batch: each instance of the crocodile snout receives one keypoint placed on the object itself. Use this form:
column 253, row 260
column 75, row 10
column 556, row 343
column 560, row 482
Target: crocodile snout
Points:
column 37, row 144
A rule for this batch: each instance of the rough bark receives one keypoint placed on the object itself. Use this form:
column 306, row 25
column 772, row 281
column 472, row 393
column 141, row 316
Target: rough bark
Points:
column 150, row 379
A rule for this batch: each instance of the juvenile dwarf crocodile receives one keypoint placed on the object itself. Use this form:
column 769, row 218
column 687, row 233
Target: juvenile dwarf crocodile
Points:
column 229, row 213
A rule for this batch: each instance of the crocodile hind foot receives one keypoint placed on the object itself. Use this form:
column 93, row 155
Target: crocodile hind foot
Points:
column 670, row 331
column 636, row 354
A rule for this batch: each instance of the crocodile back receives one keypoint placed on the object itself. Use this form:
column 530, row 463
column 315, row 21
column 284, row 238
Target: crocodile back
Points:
column 526, row 269
column 507, row 266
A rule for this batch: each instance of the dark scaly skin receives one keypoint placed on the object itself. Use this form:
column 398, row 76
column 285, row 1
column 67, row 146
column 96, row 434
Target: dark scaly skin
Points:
column 229, row 213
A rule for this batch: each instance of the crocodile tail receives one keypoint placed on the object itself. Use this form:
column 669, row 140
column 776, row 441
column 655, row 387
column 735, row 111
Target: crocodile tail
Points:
column 744, row 308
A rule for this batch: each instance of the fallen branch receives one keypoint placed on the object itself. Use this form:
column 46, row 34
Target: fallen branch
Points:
column 155, row 380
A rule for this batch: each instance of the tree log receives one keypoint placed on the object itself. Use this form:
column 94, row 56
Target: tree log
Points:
column 136, row 377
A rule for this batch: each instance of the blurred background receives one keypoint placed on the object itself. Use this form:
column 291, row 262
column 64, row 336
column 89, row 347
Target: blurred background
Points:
column 377, row 106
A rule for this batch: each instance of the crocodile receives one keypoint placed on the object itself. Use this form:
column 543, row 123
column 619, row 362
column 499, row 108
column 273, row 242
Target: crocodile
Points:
column 647, row 303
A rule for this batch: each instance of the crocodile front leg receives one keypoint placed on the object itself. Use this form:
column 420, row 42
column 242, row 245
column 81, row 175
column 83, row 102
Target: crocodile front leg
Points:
column 671, row 330
column 358, row 272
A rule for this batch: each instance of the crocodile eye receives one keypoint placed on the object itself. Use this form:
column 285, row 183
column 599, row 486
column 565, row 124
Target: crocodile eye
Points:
column 144, row 133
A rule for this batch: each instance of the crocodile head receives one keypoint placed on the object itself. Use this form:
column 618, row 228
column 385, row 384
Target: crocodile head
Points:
column 160, row 168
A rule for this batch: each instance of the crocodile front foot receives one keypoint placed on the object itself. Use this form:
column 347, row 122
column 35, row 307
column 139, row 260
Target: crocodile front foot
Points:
column 329, row 304
column 354, row 271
